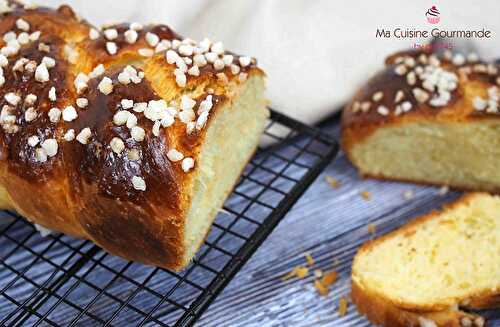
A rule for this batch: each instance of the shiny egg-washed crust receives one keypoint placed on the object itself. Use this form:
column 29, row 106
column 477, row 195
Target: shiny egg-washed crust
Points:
column 86, row 190
column 383, row 312
column 357, row 126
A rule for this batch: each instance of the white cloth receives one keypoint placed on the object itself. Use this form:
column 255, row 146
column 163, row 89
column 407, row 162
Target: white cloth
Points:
column 315, row 52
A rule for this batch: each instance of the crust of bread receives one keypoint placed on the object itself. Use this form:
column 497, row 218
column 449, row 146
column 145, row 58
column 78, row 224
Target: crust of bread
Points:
column 385, row 312
column 90, row 196
column 356, row 126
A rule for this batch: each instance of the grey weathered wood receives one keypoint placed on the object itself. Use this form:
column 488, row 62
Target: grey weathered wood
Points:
column 330, row 224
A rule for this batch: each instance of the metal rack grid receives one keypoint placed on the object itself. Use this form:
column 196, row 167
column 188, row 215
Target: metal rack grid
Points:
column 58, row 280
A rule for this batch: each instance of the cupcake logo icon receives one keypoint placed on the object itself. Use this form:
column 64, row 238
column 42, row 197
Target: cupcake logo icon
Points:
column 432, row 15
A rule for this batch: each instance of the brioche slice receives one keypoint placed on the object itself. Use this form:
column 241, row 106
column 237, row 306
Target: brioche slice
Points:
column 420, row 274
column 428, row 119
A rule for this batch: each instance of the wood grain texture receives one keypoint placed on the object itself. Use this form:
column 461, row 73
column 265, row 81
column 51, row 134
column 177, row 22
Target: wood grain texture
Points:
column 330, row 224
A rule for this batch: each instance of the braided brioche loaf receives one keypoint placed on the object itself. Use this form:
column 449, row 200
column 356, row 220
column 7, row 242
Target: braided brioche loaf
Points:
column 428, row 118
column 129, row 136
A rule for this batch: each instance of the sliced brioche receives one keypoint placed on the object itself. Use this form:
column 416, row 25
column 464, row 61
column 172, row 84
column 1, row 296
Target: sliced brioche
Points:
column 428, row 119
column 420, row 274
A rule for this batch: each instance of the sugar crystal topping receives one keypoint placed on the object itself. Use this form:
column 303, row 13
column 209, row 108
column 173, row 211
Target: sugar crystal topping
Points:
column 432, row 81
column 141, row 119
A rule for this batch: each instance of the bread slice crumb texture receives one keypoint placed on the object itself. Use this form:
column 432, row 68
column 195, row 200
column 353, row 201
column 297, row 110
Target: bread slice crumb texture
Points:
column 437, row 260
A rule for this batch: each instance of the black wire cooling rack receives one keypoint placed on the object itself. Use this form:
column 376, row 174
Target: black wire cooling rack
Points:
column 62, row 281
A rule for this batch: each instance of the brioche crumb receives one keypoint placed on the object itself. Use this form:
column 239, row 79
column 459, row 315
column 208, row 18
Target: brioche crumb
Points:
column 479, row 321
column 309, row 259
column 329, row 278
column 342, row 306
column 323, row 281
column 322, row 289
column 372, row 229
column 332, row 181
column 299, row 272
column 366, row 195
column 466, row 322
column 443, row 190
column 408, row 194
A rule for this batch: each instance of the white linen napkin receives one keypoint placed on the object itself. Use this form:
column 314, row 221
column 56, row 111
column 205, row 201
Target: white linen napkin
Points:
column 315, row 52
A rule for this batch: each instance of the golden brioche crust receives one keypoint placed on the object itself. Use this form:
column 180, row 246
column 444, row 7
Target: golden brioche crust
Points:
column 470, row 76
column 108, row 186
column 383, row 313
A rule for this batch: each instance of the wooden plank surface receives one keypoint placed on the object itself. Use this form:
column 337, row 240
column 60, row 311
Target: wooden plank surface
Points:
column 329, row 224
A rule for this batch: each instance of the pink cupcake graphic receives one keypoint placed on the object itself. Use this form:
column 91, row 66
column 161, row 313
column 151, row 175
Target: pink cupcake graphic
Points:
column 432, row 15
